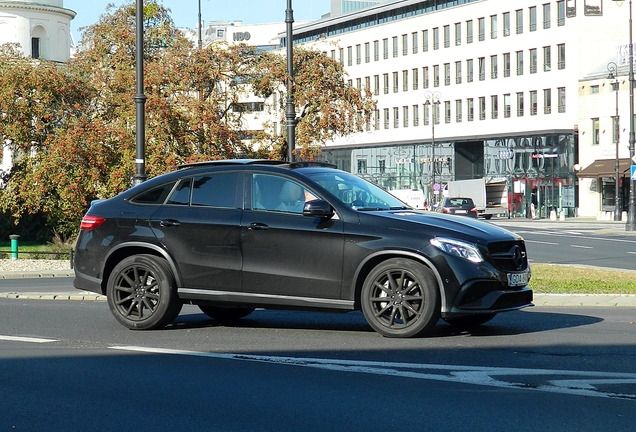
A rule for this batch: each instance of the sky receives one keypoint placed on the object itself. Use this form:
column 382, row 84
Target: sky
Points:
column 185, row 12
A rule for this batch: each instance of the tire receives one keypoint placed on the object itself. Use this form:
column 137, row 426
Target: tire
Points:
column 142, row 293
column 470, row 320
column 400, row 298
column 225, row 313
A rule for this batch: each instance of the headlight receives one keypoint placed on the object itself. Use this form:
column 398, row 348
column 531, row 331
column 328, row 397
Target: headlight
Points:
column 458, row 248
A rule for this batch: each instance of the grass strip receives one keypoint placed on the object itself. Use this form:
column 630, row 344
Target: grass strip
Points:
column 565, row 279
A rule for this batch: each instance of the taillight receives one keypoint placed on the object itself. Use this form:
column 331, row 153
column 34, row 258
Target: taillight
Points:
column 445, row 210
column 90, row 222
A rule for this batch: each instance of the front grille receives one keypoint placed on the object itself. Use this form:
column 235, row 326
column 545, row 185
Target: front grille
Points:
column 509, row 256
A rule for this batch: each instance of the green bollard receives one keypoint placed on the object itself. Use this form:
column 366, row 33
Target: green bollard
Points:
column 14, row 245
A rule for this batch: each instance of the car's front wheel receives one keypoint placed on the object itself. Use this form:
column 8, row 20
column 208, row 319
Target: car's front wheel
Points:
column 142, row 294
column 225, row 313
column 400, row 298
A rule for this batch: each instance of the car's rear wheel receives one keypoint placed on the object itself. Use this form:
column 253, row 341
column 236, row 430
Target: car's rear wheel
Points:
column 225, row 313
column 142, row 294
column 400, row 298
column 470, row 320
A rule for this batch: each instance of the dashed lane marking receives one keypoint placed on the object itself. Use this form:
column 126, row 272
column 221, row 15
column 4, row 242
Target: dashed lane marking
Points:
column 26, row 339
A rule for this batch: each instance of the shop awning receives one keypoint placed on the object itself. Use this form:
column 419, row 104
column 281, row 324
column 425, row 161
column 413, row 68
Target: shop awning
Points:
column 605, row 168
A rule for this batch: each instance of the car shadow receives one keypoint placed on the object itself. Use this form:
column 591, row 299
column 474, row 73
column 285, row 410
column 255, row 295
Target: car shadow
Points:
column 504, row 324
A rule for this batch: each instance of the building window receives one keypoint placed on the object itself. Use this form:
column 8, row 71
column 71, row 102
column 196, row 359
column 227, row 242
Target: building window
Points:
column 358, row 54
column 342, row 56
column 349, row 56
column 424, row 40
column 386, row 118
column 414, row 40
column 546, row 16
column 506, row 24
column 447, row 74
column 436, row 38
column 458, row 110
column 416, row 115
column 519, row 21
column 469, row 31
column 385, row 79
column 447, row 36
column 506, row 64
column 359, row 83
column 507, row 105
column 376, row 50
column 416, row 78
column 533, row 102
column 447, row 112
column 367, row 52
column 458, row 72
column 425, row 77
column 405, row 45
column 377, row 119
column 405, row 116
column 35, row 47
column 458, row 34
column 594, row 89
column 533, row 18
column 367, row 83
column 395, row 82
column 560, row 13
column 481, row 29
column 469, row 70
column 482, row 108
column 494, row 106
column 376, row 84
column 493, row 27
column 519, row 62
column 385, row 48
column 436, row 76
column 547, row 59
column 470, row 109
column 426, row 114
column 436, row 113
column 482, row 68
column 595, row 131
column 405, row 80
column 362, row 166
column 395, row 46
column 561, row 97
column 533, row 60
column 333, row 54
column 561, row 56
column 547, row 101
column 520, row 104
column 493, row 67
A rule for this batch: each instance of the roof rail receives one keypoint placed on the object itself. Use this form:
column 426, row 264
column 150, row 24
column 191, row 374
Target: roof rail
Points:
column 232, row 162
column 305, row 164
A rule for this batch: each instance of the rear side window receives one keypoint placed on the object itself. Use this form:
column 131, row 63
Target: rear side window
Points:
column 156, row 195
column 211, row 190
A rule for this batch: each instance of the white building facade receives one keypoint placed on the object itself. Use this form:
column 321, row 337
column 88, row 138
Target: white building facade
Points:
column 475, row 88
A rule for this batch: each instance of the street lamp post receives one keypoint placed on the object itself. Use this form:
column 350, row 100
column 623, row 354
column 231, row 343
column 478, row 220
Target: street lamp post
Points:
column 290, row 112
column 613, row 75
column 631, row 210
column 433, row 100
column 140, row 100
column 199, row 24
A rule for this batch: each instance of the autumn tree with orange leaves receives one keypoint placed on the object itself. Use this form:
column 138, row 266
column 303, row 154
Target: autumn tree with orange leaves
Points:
column 71, row 127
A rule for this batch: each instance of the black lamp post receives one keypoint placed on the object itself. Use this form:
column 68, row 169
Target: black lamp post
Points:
column 140, row 100
column 199, row 27
column 631, row 210
column 432, row 100
column 290, row 112
column 613, row 75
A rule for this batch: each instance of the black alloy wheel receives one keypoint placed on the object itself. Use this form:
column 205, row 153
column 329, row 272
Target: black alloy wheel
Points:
column 400, row 298
column 225, row 313
column 142, row 293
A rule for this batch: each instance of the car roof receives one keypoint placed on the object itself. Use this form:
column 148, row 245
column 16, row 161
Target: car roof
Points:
column 292, row 165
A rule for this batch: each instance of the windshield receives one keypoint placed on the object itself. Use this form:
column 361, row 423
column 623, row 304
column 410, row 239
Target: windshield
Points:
column 355, row 192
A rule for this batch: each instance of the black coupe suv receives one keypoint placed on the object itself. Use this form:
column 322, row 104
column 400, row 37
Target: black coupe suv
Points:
column 231, row 236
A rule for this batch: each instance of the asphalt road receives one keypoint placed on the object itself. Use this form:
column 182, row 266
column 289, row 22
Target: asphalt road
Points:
column 68, row 366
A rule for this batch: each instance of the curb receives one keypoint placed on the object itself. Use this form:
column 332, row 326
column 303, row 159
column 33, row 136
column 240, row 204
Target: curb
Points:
column 605, row 300
column 36, row 274
column 80, row 295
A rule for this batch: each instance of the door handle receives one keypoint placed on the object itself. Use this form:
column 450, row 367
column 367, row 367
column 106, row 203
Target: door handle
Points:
column 257, row 226
column 169, row 223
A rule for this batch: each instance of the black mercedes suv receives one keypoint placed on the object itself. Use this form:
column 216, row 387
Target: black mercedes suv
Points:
column 231, row 236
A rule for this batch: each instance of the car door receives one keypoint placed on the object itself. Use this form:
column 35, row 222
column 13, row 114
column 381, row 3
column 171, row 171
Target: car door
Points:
column 200, row 227
column 284, row 252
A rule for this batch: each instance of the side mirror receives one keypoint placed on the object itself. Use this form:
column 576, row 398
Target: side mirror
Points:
column 318, row 208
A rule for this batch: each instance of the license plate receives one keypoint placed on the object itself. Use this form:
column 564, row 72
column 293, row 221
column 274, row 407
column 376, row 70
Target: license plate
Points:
column 517, row 279
column 461, row 211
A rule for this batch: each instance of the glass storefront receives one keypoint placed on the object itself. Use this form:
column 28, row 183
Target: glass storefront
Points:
column 537, row 169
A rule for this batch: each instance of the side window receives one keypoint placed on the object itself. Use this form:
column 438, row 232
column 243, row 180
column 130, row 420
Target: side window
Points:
column 181, row 194
column 156, row 195
column 273, row 193
column 215, row 190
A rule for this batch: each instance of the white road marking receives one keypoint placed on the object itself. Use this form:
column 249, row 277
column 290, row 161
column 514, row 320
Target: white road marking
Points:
column 584, row 384
column 541, row 242
column 26, row 339
column 582, row 247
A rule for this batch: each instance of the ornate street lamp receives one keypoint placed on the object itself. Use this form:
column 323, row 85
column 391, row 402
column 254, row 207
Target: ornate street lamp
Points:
column 140, row 100
column 631, row 216
column 613, row 75
column 290, row 112
column 433, row 100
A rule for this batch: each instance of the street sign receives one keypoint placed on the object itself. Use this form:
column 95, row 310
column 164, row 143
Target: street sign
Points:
column 436, row 187
column 633, row 176
column 634, row 158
